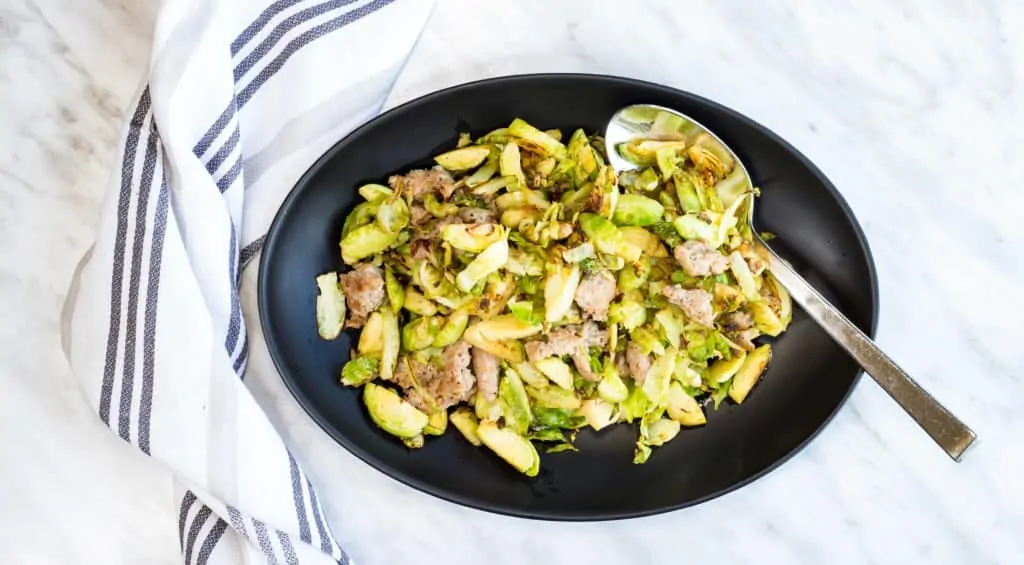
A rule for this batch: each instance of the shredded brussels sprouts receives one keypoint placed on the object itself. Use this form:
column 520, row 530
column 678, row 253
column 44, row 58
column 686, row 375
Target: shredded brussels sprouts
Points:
column 522, row 290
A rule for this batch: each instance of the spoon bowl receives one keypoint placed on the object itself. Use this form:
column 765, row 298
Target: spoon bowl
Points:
column 648, row 121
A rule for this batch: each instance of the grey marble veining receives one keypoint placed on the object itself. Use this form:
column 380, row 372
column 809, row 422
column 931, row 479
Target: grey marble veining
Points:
column 912, row 108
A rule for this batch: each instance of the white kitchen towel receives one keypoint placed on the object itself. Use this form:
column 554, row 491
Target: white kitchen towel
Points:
column 241, row 96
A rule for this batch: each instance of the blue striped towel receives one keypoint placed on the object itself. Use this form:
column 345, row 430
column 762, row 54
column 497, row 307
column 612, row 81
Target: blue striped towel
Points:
column 240, row 98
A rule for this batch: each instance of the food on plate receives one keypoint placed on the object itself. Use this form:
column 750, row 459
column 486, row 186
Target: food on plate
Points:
column 330, row 306
column 522, row 291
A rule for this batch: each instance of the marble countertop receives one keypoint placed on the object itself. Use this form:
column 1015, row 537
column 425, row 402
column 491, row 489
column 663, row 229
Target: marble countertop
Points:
column 912, row 108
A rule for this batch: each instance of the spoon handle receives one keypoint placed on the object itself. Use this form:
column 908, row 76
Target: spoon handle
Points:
column 949, row 432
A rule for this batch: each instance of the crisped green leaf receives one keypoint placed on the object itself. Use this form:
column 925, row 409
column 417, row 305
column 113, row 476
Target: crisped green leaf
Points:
column 359, row 371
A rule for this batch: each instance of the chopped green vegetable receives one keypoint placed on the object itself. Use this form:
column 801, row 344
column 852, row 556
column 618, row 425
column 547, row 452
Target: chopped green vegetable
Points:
column 765, row 319
column 419, row 333
column 683, row 408
column 644, row 152
column 671, row 321
column 649, row 244
column 463, row 158
column 647, row 181
column 522, row 198
column 510, row 164
column 524, row 311
column 744, row 277
column 530, row 375
column 452, row 329
column 365, row 241
column 607, row 238
column 547, row 434
column 492, row 259
column 719, row 394
column 554, row 397
column 648, row 341
column 417, row 303
column 371, row 339
column 635, row 406
column 691, row 226
column 492, row 186
column 498, row 336
column 437, row 423
column 510, row 446
column 598, row 413
column 393, row 215
column 666, row 124
column 439, row 209
column 392, row 341
column 704, row 345
column 374, row 192
column 785, row 302
column 556, row 370
column 465, row 421
column 707, row 152
column 520, row 290
column 472, row 237
column 643, row 452
column 559, row 291
column 396, row 294
column 486, row 409
column 662, row 431
column 582, row 251
column 330, row 306
column 732, row 187
column 561, row 447
column 637, row 210
column 667, row 161
column 668, row 233
column 629, row 312
column 611, row 388
column 363, row 214
column 513, row 396
column 536, row 138
column 391, row 413
column 485, row 172
column 659, row 375
column 749, row 373
column 499, row 135
column 722, row 370
column 556, row 418
column 359, row 371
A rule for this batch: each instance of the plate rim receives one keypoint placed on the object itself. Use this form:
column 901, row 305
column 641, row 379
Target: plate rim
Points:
column 473, row 503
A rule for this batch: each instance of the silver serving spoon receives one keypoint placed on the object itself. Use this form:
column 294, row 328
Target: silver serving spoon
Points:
column 949, row 432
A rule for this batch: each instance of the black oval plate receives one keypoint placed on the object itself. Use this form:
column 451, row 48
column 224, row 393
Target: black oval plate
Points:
column 807, row 381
